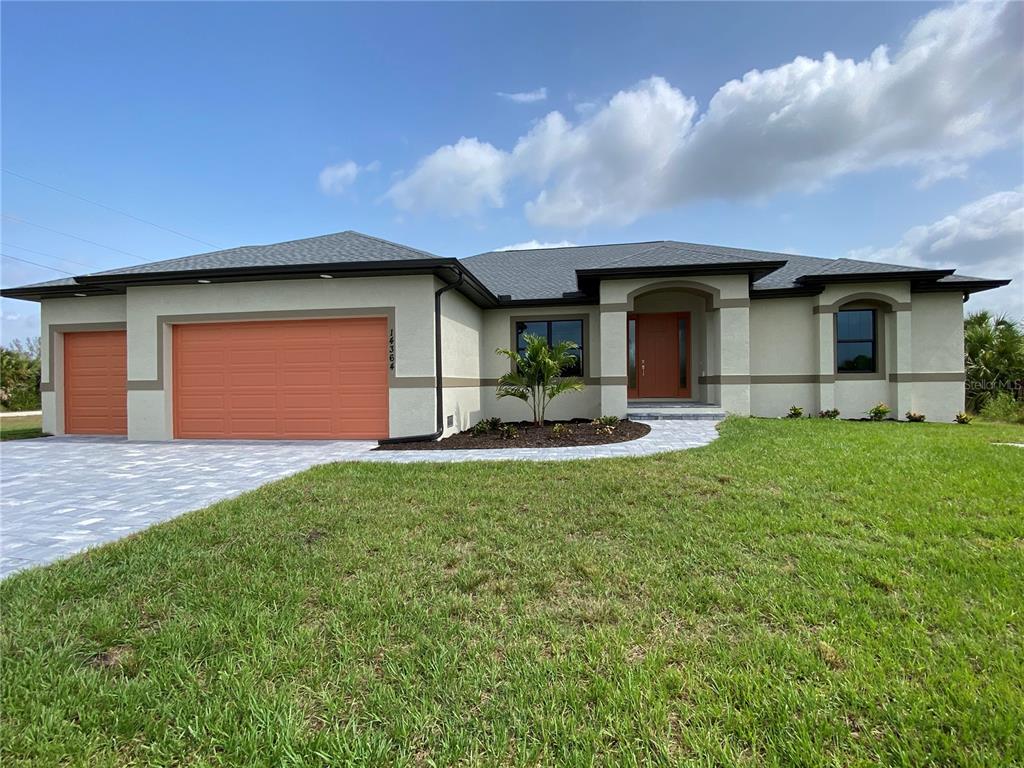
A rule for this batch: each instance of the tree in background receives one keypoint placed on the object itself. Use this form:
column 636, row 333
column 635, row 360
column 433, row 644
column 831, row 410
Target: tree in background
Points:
column 993, row 358
column 19, row 375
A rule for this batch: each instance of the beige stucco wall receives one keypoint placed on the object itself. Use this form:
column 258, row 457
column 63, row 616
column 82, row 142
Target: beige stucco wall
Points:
column 740, row 349
column 922, row 337
column 461, row 323
column 56, row 316
column 498, row 332
column 152, row 310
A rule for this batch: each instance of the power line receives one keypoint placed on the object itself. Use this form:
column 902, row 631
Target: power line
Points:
column 37, row 264
column 110, row 208
column 74, row 237
column 48, row 255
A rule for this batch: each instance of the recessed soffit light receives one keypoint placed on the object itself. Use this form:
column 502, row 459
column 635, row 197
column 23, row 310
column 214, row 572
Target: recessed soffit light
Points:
column 204, row 282
column 326, row 277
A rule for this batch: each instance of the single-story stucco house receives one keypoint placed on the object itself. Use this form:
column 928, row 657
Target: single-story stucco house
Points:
column 350, row 336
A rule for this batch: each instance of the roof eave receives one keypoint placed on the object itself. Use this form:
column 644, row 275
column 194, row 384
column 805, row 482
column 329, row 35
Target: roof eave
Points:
column 967, row 287
column 118, row 283
column 755, row 269
column 785, row 293
column 28, row 293
column 874, row 277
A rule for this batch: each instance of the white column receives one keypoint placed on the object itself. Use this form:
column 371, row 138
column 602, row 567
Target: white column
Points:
column 903, row 365
column 826, row 361
column 734, row 338
column 612, row 371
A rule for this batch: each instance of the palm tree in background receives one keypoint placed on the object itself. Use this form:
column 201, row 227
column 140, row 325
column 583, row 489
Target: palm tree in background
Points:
column 993, row 357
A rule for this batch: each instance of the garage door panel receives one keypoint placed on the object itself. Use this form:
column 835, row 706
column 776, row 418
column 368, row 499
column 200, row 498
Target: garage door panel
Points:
column 283, row 379
column 96, row 383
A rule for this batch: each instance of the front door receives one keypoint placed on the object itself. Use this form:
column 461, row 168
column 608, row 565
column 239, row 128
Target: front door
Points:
column 661, row 355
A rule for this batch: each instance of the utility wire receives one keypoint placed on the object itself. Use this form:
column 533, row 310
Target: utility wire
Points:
column 37, row 264
column 110, row 208
column 74, row 237
column 47, row 255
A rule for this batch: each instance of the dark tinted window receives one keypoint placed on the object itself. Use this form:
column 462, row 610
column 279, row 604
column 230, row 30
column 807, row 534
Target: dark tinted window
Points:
column 555, row 331
column 855, row 341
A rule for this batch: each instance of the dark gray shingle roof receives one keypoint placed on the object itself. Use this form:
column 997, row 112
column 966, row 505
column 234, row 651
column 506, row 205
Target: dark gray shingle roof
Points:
column 537, row 274
column 544, row 273
column 549, row 272
column 59, row 282
column 341, row 247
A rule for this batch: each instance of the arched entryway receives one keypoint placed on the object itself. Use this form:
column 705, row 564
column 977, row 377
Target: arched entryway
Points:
column 668, row 329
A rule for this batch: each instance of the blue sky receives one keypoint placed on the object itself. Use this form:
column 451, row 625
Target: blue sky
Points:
column 246, row 123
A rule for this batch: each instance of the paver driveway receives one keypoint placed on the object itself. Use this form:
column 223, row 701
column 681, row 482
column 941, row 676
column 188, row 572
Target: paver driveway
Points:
column 60, row 495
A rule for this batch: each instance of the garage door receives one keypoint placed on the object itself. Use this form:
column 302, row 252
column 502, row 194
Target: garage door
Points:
column 95, row 383
column 312, row 379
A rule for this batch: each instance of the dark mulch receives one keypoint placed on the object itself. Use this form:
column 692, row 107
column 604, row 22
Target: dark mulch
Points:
column 581, row 432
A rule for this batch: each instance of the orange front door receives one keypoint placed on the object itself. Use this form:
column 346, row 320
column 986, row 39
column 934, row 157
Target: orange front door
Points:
column 662, row 354
column 96, row 383
column 305, row 379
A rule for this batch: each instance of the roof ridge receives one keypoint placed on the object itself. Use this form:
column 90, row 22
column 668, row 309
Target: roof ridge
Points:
column 655, row 245
column 379, row 240
column 563, row 248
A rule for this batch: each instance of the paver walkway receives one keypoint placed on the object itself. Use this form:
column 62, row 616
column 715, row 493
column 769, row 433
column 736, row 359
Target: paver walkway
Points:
column 61, row 495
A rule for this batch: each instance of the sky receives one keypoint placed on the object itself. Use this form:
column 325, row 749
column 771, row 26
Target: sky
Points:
column 882, row 131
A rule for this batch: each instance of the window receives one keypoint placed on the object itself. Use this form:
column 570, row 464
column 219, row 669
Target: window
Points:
column 554, row 331
column 855, row 341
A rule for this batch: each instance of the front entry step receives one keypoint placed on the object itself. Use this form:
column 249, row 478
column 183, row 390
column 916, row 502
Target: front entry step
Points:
column 652, row 411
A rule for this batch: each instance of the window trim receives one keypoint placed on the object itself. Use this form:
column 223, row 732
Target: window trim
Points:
column 551, row 317
column 878, row 327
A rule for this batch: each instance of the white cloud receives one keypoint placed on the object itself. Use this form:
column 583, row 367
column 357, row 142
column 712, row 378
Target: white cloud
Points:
column 335, row 179
column 984, row 238
column 950, row 93
column 530, row 245
column 456, row 179
column 525, row 97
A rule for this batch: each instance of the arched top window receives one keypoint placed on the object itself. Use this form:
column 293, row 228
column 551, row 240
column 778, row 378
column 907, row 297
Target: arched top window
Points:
column 857, row 340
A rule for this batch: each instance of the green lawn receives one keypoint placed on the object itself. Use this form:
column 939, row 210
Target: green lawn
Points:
column 798, row 593
column 21, row 427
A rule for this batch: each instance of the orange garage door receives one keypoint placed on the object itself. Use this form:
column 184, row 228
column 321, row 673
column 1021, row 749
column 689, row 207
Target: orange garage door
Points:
column 282, row 379
column 95, row 383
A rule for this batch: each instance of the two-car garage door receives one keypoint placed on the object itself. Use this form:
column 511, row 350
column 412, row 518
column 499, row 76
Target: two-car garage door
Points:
column 281, row 379
column 312, row 379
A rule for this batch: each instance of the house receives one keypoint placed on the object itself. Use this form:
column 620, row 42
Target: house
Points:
column 350, row 336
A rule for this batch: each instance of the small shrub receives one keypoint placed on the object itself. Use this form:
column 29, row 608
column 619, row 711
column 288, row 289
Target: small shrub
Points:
column 606, row 421
column 879, row 412
column 1003, row 407
column 605, row 429
column 831, row 413
column 484, row 426
column 508, row 431
column 914, row 416
column 561, row 430
column 795, row 412
column 963, row 418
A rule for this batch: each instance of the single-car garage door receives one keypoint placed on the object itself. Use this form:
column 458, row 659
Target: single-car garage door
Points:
column 95, row 383
column 306, row 379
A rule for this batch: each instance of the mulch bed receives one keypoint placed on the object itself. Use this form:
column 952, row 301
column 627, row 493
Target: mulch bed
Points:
column 581, row 432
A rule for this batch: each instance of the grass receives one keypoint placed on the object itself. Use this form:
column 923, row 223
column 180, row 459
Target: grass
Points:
column 800, row 592
column 21, row 427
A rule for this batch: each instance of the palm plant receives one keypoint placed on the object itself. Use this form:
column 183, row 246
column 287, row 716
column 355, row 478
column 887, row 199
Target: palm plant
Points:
column 993, row 356
column 536, row 374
